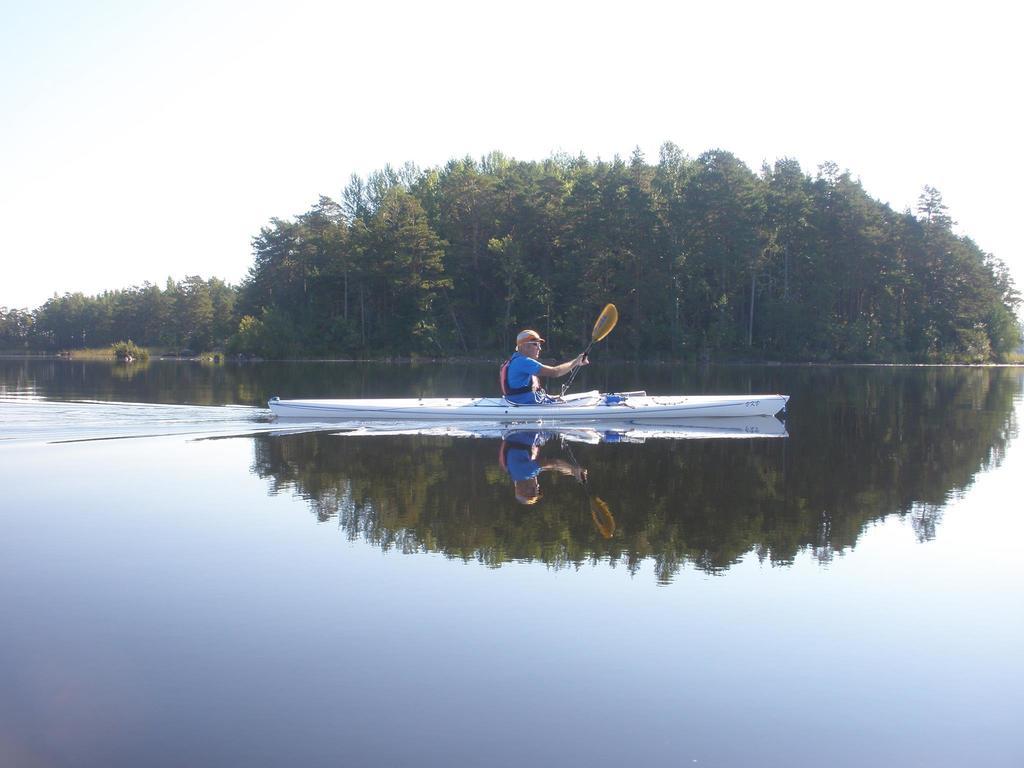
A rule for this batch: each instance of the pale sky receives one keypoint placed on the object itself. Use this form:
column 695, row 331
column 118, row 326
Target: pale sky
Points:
column 141, row 140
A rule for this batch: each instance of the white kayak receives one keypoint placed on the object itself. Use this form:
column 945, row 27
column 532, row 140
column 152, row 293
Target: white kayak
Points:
column 586, row 406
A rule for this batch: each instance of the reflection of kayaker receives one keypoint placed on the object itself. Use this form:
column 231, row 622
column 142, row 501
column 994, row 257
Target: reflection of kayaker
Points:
column 519, row 455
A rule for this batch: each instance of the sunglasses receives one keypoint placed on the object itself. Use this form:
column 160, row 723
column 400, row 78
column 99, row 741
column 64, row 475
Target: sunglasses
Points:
column 535, row 343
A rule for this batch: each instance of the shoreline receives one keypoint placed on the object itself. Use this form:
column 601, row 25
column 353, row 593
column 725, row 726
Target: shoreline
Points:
column 406, row 360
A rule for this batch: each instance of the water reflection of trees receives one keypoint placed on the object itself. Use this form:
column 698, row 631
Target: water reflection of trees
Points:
column 863, row 445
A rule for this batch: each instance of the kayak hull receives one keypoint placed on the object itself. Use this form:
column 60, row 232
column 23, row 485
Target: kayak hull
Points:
column 587, row 406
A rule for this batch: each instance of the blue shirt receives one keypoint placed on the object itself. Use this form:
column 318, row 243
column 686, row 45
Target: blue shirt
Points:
column 520, row 371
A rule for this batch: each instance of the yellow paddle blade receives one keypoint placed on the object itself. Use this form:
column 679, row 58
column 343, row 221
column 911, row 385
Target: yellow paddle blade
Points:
column 602, row 516
column 605, row 322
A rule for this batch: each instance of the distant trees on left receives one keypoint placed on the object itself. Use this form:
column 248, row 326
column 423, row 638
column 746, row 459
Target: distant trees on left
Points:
column 191, row 314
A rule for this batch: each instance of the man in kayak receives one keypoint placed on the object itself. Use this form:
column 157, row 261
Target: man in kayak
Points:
column 520, row 382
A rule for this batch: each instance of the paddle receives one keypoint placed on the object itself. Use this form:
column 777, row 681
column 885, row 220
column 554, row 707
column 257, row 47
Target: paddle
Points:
column 599, row 511
column 602, row 516
column 602, row 327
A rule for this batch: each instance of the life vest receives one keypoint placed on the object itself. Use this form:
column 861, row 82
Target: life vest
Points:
column 507, row 389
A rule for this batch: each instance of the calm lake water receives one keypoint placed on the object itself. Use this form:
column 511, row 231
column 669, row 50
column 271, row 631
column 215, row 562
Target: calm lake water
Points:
column 184, row 582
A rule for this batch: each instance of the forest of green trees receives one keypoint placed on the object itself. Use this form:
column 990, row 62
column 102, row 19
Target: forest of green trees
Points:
column 704, row 258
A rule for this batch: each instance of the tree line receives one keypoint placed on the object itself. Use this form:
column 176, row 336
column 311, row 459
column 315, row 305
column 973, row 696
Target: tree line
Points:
column 705, row 259
column 191, row 314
